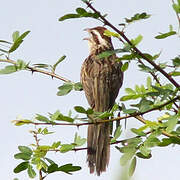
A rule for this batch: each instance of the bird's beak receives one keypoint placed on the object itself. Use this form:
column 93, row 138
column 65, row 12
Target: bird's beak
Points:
column 88, row 30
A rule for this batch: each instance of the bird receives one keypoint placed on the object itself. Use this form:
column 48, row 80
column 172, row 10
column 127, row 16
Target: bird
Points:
column 101, row 79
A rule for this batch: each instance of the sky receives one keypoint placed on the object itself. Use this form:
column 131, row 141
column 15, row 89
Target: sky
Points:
column 25, row 94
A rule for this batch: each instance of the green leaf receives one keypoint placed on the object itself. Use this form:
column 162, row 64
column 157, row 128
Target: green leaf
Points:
column 176, row 7
column 176, row 61
column 4, row 51
column 131, row 97
column 127, row 156
column 22, row 122
column 61, row 117
column 117, row 134
column 78, row 141
column 175, row 73
column 23, row 156
column 130, row 91
column 52, row 168
column 8, row 69
column 137, row 40
column 31, row 172
column 129, row 111
column 125, row 66
column 42, row 118
column 165, row 35
column 145, row 150
column 21, row 65
column 25, row 149
column 132, row 167
column 80, row 109
column 145, row 105
column 15, row 35
column 138, row 132
column 137, row 17
column 89, row 111
column 81, row 11
column 110, row 34
column 171, row 123
column 65, row 89
column 21, row 167
column 18, row 41
column 105, row 114
column 151, row 142
column 3, row 41
column 49, row 161
column 67, row 168
column 78, row 86
column 165, row 142
column 58, row 62
column 69, row 16
column 140, row 155
column 127, row 57
column 66, row 147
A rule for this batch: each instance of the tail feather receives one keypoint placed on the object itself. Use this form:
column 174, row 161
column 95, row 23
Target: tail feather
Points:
column 98, row 147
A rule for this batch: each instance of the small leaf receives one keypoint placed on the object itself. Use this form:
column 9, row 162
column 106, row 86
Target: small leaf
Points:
column 125, row 66
column 69, row 16
column 145, row 150
column 58, row 62
column 81, row 11
column 140, row 155
column 165, row 142
column 132, row 167
column 78, row 86
column 165, row 35
column 31, row 172
column 137, row 17
column 42, row 118
column 23, row 156
column 176, row 61
column 18, row 41
column 138, row 132
column 127, row 156
column 78, row 140
column 176, row 7
column 137, row 40
column 15, row 35
column 171, row 123
column 175, row 73
column 67, row 168
column 66, row 147
column 21, row 167
column 109, row 34
column 65, row 89
column 117, row 134
column 52, row 168
column 80, row 109
column 8, row 70
column 3, row 41
column 129, row 111
column 25, row 149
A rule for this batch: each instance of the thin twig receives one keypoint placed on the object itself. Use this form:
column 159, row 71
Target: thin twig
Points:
column 32, row 69
column 109, row 120
column 106, row 22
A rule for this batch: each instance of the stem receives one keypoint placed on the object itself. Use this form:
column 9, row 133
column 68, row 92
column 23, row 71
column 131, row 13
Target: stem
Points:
column 106, row 22
column 109, row 120
column 32, row 69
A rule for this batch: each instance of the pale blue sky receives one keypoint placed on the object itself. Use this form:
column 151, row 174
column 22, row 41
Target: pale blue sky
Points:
column 24, row 94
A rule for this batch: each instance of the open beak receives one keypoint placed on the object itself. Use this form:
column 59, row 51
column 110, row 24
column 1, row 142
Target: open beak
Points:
column 88, row 30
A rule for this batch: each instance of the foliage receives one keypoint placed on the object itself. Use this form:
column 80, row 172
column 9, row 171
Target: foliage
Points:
column 155, row 95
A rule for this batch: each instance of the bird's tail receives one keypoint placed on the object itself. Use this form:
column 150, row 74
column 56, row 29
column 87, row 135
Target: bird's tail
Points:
column 98, row 147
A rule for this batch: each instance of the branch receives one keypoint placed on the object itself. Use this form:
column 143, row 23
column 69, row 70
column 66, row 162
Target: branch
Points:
column 109, row 120
column 32, row 69
column 106, row 22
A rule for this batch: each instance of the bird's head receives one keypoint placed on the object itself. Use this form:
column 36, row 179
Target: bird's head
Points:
column 97, row 39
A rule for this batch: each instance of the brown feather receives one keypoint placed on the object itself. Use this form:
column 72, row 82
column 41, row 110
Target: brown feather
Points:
column 101, row 80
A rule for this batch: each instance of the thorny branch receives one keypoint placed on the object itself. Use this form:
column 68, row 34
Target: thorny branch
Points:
column 135, row 115
column 33, row 69
column 106, row 22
